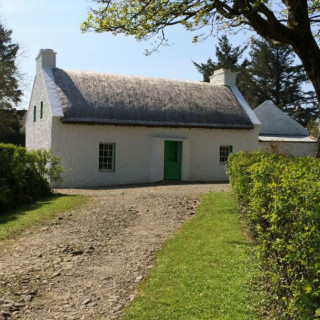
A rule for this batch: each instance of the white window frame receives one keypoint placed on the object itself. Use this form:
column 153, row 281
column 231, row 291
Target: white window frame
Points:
column 105, row 158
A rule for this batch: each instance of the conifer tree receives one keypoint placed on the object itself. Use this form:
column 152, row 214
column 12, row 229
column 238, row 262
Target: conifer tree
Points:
column 272, row 74
column 206, row 69
column 10, row 94
column 227, row 57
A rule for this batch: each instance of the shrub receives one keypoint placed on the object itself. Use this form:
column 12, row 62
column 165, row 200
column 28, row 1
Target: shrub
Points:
column 280, row 196
column 25, row 176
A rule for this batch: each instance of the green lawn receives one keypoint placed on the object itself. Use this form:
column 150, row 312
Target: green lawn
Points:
column 14, row 221
column 207, row 271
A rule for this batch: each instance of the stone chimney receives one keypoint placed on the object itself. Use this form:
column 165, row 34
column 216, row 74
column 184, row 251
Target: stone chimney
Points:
column 46, row 59
column 224, row 77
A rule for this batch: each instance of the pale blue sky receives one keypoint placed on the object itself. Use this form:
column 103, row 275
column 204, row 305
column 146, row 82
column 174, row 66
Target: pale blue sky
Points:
column 55, row 24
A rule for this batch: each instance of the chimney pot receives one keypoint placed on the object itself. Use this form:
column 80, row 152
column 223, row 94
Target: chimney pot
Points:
column 224, row 77
column 46, row 59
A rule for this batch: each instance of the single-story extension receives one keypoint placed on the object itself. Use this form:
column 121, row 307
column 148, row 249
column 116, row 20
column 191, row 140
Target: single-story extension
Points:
column 280, row 131
column 116, row 129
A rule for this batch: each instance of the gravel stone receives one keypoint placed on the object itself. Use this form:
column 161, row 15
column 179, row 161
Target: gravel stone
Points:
column 102, row 250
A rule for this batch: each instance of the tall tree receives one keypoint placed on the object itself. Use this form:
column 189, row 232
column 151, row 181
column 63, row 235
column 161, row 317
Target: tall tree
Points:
column 206, row 69
column 292, row 22
column 227, row 57
column 273, row 74
column 12, row 126
column 10, row 94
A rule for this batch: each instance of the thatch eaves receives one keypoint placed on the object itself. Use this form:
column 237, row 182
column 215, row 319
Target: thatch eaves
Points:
column 88, row 97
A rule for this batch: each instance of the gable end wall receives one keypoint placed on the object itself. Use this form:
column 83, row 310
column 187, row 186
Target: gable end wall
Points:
column 38, row 134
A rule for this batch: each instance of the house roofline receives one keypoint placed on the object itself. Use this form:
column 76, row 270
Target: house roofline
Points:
column 51, row 91
column 167, row 124
column 244, row 104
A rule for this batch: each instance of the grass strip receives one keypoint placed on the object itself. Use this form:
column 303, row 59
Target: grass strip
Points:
column 207, row 271
column 14, row 221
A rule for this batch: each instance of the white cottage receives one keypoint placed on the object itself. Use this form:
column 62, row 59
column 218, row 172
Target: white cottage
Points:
column 115, row 129
column 281, row 131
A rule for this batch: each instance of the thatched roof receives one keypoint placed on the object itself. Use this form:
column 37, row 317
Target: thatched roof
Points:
column 88, row 97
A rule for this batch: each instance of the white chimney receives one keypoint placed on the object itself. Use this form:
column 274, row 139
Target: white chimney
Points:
column 46, row 59
column 224, row 77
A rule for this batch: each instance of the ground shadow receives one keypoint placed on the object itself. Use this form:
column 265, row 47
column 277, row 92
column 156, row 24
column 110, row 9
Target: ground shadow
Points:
column 20, row 210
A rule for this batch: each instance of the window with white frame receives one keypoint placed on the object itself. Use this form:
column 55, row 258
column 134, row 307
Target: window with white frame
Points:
column 107, row 157
column 224, row 153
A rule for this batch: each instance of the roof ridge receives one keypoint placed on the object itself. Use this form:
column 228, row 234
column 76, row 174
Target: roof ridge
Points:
column 140, row 77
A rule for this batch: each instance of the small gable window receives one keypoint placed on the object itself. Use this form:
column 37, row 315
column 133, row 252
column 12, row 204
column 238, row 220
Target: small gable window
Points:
column 224, row 153
column 34, row 113
column 107, row 157
column 41, row 109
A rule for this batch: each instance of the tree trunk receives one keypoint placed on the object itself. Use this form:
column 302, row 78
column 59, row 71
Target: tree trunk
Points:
column 297, row 33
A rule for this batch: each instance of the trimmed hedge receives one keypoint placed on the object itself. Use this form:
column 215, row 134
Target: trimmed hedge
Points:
column 23, row 175
column 280, row 196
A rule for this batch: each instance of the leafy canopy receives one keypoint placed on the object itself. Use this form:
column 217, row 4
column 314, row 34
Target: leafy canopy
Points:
column 292, row 22
column 144, row 18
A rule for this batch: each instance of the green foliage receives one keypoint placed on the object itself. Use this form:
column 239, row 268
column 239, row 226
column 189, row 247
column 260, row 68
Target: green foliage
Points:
column 227, row 57
column 9, row 88
column 10, row 93
column 273, row 74
column 206, row 69
column 280, row 196
column 16, row 220
column 294, row 23
column 11, row 127
column 207, row 271
column 24, row 175
column 144, row 19
column 47, row 165
column 270, row 73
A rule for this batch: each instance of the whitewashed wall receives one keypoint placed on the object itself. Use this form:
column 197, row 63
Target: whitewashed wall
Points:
column 292, row 148
column 38, row 134
column 140, row 152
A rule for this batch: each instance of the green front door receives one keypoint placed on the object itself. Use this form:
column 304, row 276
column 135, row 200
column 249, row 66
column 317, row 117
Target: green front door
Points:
column 172, row 160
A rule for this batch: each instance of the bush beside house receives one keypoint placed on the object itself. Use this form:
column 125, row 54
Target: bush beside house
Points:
column 25, row 176
column 280, row 196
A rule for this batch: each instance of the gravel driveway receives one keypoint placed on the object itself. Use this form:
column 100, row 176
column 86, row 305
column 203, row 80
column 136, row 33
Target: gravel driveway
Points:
column 88, row 262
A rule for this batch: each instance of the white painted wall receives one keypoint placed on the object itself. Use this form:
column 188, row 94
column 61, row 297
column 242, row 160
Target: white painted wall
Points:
column 38, row 134
column 293, row 148
column 140, row 152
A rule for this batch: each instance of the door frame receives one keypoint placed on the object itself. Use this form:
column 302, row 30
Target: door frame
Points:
column 179, row 146
column 157, row 156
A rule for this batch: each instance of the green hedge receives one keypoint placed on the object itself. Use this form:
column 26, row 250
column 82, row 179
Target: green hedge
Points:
column 24, row 175
column 280, row 196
